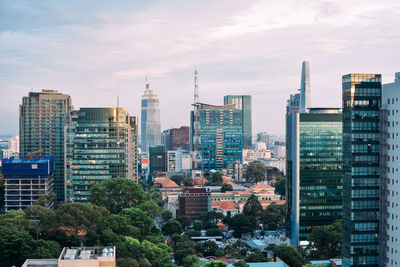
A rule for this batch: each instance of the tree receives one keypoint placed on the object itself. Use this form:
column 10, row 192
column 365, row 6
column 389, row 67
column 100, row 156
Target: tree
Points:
column 280, row 186
column 41, row 218
column 214, row 264
column 138, row 219
column 210, row 248
column 117, row 194
column 241, row 248
column 216, row 179
column 188, row 182
column 290, row 255
column 242, row 224
column 150, row 207
column 256, row 257
column 166, row 215
column 241, row 263
column 212, row 217
column 178, row 179
column 191, row 261
column 256, row 172
column 252, row 206
column 127, row 262
column 214, row 232
column 46, row 200
column 172, row 227
column 325, row 241
column 226, row 187
column 181, row 253
column 185, row 221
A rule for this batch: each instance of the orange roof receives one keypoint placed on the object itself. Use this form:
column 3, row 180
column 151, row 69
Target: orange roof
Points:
column 226, row 180
column 165, row 182
column 225, row 205
column 199, row 181
column 70, row 230
column 261, row 186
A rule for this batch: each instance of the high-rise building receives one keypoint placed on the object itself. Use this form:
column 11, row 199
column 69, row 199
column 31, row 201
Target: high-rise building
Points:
column 293, row 104
column 242, row 102
column 390, row 165
column 179, row 138
column 264, row 138
column 305, row 91
column 151, row 127
column 158, row 159
column 361, row 168
column 314, row 170
column 25, row 180
column 221, row 135
column 42, row 125
column 102, row 144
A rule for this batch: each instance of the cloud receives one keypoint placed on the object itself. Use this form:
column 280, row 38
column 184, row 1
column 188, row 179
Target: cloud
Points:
column 96, row 50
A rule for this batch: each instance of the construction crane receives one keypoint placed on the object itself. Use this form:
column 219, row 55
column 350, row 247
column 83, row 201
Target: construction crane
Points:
column 35, row 152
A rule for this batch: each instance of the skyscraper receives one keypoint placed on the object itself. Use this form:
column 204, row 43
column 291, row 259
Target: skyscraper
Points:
column 102, row 144
column 150, row 126
column 42, row 125
column 264, row 138
column 390, row 165
column 221, row 133
column 361, row 168
column 242, row 102
column 314, row 170
column 305, row 91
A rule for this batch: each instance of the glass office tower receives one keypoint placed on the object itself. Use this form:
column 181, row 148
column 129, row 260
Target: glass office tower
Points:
column 150, row 126
column 314, row 170
column 361, row 168
column 43, row 119
column 242, row 102
column 102, row 144
column 221, row 135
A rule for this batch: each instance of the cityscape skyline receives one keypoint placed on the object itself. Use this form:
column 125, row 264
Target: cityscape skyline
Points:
column 246, row 47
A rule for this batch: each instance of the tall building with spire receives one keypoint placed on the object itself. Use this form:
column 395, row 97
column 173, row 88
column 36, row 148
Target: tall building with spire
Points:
column 150, row 125
column 305, row 91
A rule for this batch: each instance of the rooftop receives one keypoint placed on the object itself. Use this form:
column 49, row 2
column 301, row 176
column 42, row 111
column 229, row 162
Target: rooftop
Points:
column 165, row 182
column 87, row 253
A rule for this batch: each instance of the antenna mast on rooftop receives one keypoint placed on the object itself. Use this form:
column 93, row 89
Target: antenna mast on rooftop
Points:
column 196, row 149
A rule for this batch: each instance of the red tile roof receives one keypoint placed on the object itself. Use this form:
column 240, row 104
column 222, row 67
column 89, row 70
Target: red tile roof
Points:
column 225, row 205
column 165, row 182
column 228, row 181
column 199, row 181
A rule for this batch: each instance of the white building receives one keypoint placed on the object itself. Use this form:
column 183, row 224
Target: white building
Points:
column 279, row 163
column 250, row 155
column 390, row 207
column 179, row 161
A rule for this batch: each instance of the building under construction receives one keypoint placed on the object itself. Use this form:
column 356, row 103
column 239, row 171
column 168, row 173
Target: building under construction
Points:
column 26, row 180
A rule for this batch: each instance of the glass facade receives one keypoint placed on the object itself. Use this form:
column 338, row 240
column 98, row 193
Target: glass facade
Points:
column 102, row 144
column 243, row 102
column 361, row 168
column 221, row 135
column 150, row 126
column 314, row 170
column 320, row 170
column 42, row 125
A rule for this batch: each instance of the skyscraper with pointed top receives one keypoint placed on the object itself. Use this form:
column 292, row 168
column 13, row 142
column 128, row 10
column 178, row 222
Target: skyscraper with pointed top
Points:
column 305, row 91
column 150, row 125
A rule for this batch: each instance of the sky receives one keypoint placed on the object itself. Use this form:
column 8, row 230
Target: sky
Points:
column 95, row 51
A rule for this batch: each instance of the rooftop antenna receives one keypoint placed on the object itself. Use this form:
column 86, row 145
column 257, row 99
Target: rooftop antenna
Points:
column 196, row 149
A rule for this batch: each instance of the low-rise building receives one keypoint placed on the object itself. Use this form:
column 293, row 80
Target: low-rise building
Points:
column 25, row 180
column 78, row 257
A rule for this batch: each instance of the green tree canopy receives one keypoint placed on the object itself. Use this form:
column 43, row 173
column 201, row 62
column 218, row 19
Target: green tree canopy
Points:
column 188, row 181
column 256, row 172
column 280, row 186
column 325, row 241
column 166, row 215
column 117, row 194
column 214, row 264
column 172, row 227
column 178, row 179
column 290, row 255
column 252, row 207
column 226, row 187
column 256, row 257
column 138, row 219
column 241, row 263
column 191, row 261
column 216, row 179
column 242, row 224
